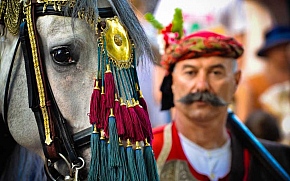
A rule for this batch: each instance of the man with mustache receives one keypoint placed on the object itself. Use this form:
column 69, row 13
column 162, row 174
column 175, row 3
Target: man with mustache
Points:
column 202, row 78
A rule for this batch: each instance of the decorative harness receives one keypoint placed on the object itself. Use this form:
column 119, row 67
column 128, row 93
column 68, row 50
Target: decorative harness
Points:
column 54, row 135
column 57, row 142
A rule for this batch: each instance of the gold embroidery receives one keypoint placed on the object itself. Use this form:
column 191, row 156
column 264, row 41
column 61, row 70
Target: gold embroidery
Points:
column 176, row 170
column 12, row 15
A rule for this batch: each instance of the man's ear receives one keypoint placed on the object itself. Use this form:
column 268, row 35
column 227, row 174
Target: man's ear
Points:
column 238, row 76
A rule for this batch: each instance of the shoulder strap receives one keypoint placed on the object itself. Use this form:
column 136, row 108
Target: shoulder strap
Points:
column 165, row 150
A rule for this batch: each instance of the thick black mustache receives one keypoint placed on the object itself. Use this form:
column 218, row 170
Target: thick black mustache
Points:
column 203, row 96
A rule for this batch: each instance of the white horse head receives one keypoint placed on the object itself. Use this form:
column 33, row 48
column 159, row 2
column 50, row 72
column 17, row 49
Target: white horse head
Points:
column 69, row 49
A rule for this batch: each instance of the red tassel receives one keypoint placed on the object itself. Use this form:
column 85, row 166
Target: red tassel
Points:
column 144, row 121
column 143, row 103
column 139, row 135
column 141, row 99
column 109, row 88
column 106, row 122
column 95, row 104
column 119, row 120
column 127, row 121
column 102, row 112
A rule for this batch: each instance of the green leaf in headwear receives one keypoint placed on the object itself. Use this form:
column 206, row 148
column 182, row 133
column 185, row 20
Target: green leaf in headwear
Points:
column 177, row 22
column 151, row 19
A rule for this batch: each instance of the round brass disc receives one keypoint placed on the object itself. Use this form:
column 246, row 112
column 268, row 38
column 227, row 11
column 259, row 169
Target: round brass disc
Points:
column 118, row 44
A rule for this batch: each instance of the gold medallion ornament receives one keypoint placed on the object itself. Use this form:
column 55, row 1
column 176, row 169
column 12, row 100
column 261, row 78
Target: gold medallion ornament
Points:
column 118, row 43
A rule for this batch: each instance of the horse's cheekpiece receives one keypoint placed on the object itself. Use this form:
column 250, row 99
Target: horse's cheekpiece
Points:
column 118, row 112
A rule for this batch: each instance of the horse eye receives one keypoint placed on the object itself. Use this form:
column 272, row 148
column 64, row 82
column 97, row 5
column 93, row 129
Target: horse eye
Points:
column 62, row 56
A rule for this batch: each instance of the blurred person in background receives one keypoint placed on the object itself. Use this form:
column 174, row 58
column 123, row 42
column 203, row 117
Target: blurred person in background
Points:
column 275, row 52
column 264, row 126
column 276, row 100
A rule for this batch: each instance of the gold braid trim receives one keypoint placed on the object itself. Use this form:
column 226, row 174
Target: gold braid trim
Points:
column 39, row 81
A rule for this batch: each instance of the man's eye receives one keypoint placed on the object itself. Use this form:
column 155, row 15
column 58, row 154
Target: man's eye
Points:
column 217, row 72
column 190, row 72
column 62, row 56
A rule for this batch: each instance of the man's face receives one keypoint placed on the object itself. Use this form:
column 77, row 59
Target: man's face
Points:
column 279, row 55
column 206, row 74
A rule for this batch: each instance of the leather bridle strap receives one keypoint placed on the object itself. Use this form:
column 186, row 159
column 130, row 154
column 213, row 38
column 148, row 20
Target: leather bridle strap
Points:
column 5, row 105
column 39, row 89
column 38, row 86
column 56, row 126
column 49, row 150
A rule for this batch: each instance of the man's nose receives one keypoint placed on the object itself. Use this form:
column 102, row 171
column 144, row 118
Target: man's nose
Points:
column 202, row 83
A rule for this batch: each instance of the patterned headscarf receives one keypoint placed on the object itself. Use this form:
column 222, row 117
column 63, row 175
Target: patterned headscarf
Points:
column 198, row 44
column 201, row 44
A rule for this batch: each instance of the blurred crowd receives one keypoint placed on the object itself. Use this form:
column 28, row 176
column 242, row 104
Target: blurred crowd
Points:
column 262, row 101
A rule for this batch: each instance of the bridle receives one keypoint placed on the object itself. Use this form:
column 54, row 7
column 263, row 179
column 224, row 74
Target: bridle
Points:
column 121, row 131
column 57, row 142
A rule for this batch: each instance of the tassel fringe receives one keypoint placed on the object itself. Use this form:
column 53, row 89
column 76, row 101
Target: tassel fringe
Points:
column 140, row 163
column 118, row 110
column 95, row 149
column 114, row 155
column 150, row 163
column 131, row 162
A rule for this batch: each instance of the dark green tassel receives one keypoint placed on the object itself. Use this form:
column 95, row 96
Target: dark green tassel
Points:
column 114, row 173
column 140, row 163
column 114, row 155
column 150, row 163
column 123, row 174
column 131, row 162
column 95, row 148
column 103, row 159
column 111, row 169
